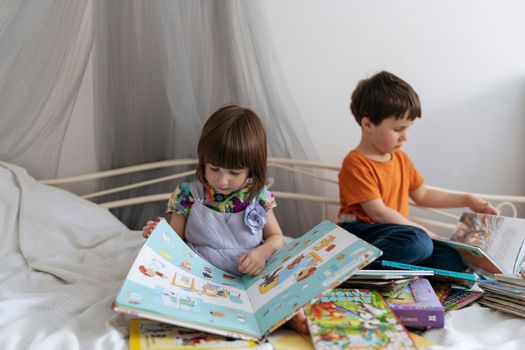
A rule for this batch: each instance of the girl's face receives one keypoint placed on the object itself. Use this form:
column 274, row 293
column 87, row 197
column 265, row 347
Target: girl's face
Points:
column 225, row 181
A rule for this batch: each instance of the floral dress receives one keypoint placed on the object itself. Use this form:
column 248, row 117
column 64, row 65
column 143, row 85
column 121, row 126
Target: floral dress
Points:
column 181, row 200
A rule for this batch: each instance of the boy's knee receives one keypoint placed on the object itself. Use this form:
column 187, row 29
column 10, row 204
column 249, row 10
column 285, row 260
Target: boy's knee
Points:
column 420, row 246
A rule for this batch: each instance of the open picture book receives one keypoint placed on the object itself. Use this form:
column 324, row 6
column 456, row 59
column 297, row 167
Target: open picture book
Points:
column 169, row 282
column 489, row 243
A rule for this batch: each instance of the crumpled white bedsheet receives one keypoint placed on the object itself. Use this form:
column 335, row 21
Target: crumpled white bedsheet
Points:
column 62, row 261
column 478, row 327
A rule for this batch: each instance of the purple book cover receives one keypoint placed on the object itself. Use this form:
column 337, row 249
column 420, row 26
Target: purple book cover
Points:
column 418, row 306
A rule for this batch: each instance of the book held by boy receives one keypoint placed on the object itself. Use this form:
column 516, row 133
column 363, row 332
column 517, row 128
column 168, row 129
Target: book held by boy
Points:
column 355, row 319
column 489, row 243
column 169, row 282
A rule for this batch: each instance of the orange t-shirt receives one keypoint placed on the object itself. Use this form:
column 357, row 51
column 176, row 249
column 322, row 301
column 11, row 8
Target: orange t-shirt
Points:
column 362, row 179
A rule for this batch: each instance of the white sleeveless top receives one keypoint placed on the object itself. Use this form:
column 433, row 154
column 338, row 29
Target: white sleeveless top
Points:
column 220, row 238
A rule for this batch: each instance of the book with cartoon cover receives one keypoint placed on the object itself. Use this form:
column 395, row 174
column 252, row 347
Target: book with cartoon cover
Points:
column 169, row 282
column 489, row 244
column 355, row 319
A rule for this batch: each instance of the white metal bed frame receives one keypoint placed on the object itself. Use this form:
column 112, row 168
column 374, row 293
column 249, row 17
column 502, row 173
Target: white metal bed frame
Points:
column 306, row 168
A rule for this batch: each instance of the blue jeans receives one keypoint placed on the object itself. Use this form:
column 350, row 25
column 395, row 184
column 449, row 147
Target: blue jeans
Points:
column 406, row 244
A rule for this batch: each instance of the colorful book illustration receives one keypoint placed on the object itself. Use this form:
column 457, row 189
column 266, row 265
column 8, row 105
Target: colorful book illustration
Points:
column 442, row 290
column 153, row 335
column 355, row 319
column 489, row 244
column 460, row 278
column 418, row 306
column 169, row 282
column 459, row 298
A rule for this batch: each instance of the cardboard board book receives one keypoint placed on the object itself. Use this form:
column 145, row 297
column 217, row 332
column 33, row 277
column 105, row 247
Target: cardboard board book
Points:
column 169, row 282
column 418, row 306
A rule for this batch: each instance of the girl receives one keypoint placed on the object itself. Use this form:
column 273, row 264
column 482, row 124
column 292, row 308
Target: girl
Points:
column 227, row 215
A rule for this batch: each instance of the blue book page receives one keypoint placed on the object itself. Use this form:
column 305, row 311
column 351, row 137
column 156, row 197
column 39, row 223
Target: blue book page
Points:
column 305, row 268
column 169, row 279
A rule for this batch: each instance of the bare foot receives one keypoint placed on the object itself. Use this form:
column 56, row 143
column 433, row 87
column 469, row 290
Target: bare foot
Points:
column 298, row 322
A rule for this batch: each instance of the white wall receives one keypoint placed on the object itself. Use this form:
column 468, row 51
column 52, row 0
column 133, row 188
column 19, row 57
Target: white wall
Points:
column 466, row 60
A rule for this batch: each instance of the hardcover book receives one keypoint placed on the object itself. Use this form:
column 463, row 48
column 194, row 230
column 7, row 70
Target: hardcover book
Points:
column 459, row 298
column 153, row 335
column 489, row 244
column 418, row 306
column 169, row 282
column 460, row 278
column 355, row 319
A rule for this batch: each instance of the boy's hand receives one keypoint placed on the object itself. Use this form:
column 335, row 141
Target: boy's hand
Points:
column 252, row 263
column 479, row 205
column 150, row 226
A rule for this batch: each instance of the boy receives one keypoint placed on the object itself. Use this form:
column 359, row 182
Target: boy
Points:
column 377, row 178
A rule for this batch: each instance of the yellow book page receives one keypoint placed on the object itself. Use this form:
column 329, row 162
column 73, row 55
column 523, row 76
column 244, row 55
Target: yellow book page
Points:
column 419, row 341
column 158, row 336
column 287, row 339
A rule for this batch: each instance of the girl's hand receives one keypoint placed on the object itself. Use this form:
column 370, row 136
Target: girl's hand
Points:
column 479, row 205
column 299, row 323
column 252, row 263
column 150, row 226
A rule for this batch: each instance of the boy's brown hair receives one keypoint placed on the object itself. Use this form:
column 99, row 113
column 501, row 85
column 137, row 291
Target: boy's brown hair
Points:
column 382, row 96
column 234, row 138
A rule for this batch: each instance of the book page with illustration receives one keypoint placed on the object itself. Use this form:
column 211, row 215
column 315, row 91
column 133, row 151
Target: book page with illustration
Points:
column 502, row 238
column 169, row 282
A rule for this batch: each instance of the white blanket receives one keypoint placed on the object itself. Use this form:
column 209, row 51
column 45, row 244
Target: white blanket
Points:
column 62, row 261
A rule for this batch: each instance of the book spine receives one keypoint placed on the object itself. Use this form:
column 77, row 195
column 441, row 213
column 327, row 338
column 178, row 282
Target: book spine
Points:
column 438, row 272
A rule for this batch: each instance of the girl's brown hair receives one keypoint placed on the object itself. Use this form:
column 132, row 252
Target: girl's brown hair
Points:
column 234, row 138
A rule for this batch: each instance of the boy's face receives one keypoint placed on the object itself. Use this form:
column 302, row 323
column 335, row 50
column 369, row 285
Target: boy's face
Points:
column 389, row 135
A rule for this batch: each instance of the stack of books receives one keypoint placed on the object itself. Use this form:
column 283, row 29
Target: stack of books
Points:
column 506, row 294
column 388, row 282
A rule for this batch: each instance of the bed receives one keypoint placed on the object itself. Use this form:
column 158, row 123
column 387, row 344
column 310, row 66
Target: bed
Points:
column 64, row 258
